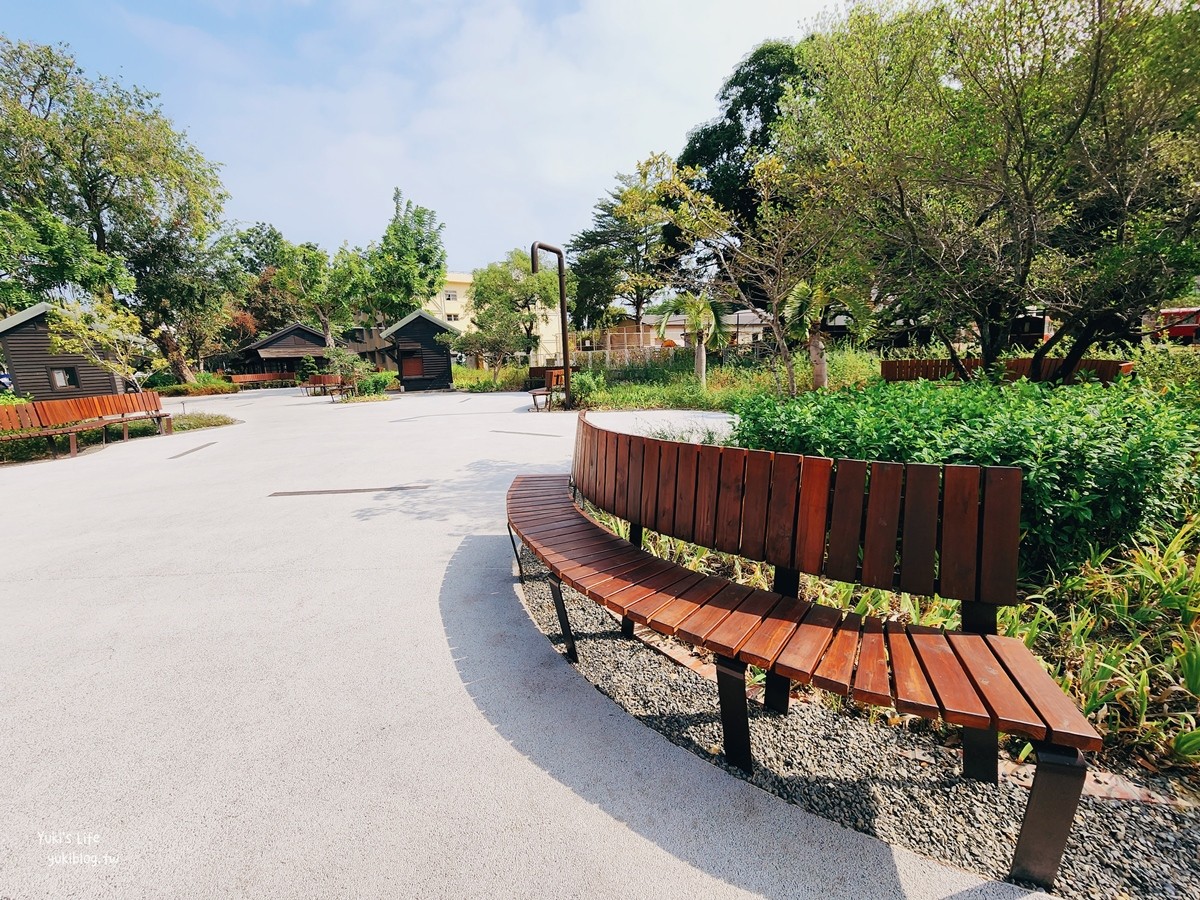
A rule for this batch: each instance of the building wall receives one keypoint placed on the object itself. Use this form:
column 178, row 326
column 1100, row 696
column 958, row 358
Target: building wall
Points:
column 419, row 337
column 27, row 351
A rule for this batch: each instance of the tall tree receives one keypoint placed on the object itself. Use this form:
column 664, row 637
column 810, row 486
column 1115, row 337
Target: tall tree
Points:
column 723, row 152
column 627, row 241
column 507, row 292
column 408, row 265
column 702, row 324
column 108, row 335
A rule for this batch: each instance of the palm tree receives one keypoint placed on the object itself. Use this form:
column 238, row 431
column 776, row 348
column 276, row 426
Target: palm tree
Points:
column 805, row 310
column 702, row 321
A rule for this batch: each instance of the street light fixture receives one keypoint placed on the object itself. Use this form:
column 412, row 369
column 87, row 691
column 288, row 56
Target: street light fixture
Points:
column 562, row 309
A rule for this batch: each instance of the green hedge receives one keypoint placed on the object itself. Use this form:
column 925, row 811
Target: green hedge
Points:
column 197, row 390
column 1101, row 465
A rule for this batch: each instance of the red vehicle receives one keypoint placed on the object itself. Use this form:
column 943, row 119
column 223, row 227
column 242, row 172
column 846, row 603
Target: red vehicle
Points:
column 1181, row 323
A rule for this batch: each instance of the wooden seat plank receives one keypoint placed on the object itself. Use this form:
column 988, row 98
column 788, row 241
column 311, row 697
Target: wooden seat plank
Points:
column 911, row 692
column 597, row 588
column 1004, row 699
column 804, row 649
column 622, row 600
column 728, row 637
column 644, row 608
column 871, row 681
column 958, row 700
column 763, row 646
column 695, row 628
column 1067, row 725
column 667, row 619
column 836, row 669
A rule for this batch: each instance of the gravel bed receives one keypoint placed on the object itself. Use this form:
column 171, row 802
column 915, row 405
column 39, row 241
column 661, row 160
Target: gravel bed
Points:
column 900, row 785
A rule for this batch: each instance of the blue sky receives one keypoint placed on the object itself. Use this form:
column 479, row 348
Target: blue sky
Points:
column 510, row 118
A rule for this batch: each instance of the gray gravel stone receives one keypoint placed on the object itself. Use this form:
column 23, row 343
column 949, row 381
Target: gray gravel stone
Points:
column 898, row 784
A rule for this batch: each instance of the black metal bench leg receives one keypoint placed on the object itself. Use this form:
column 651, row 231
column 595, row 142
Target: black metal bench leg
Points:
column 564, row 623
column 778, row 693
column 626, row 627
column 981, row 754
column 635, row 534
column 517, row 553
column 735, row 714
column 1057, row 786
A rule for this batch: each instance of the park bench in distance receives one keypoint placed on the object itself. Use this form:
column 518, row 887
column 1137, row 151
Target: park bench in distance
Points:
column 555, row 384
column 922, row 529
column 48, row 418
column 264, row 379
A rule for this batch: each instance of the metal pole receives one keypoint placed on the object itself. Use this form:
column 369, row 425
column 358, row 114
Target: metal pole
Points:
column 562, row 309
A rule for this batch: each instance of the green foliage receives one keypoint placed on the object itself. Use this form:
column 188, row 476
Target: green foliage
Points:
column 198, row 388
column 507, row 296
column 408, row 265
column 1101, row 465
column 307, row 368
column 480, row 381
column 350, row 366
column 376, row 383
column 8, row 398
column 1166, row 364
column 109, row 336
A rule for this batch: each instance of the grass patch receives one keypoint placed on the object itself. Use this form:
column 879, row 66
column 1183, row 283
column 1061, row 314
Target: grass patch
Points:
column 479, row 381
column 364, row 398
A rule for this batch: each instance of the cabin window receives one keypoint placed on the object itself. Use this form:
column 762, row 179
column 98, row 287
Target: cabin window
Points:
column 64, row 378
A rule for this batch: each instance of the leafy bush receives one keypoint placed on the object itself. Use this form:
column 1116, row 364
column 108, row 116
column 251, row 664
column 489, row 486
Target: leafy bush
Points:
column 198, row 389
column 1164, row 364
column 376, row 383
column 586, row 385
column 8, row 398
column 161, row 379
column 479, row 381
column 306, row 369
column 1101, row 465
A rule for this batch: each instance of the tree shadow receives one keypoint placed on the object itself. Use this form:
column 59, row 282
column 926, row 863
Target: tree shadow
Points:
column 693, row 811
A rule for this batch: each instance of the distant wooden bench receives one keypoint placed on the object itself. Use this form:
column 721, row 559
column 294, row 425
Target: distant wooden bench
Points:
column 923, row 529
column 326, row 384
column 264, row 379
column 50, row 418
column 555, row 384
column 1104, row 370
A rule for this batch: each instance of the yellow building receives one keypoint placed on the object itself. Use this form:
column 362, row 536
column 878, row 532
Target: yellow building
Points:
column 452, row 304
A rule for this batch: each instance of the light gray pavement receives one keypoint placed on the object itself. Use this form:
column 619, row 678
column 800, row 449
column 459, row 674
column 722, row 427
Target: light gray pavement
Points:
column 340, row 695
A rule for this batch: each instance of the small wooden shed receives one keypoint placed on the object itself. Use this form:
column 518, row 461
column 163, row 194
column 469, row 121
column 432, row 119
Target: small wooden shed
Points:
column 423, row 362
column 25, row 340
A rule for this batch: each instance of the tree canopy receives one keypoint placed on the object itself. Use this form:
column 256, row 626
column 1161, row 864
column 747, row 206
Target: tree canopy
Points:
column 408, row 265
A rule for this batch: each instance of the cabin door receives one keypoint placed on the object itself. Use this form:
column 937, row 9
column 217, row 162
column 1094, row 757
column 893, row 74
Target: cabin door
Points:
column 412, row 365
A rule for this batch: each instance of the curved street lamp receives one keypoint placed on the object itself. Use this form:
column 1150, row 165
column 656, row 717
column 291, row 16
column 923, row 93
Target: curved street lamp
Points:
column 562, row 308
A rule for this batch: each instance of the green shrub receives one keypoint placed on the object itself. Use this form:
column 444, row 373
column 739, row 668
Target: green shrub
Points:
column 376, row 383
column 1101, row 465
column 306, row 369
column 479, row 381
column 8, row 398
column 198, row 389
column 159, row 380
column 1164, row 364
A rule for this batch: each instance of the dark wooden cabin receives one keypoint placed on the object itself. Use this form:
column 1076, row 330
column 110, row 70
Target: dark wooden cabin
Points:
column 283, row 350
column 25, row 340
column 424, row 363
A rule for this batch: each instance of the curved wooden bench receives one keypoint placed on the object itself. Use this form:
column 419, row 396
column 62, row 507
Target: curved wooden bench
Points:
column 922, row 529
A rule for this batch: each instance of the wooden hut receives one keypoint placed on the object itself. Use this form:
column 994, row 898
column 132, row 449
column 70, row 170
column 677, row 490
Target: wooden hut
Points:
column 35, row 371
column 283, row 350
column 423, row 362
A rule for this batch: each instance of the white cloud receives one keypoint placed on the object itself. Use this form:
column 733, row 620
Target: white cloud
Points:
column 508, row 120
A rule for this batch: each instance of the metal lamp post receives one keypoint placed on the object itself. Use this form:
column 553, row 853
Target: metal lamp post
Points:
column 562, row 309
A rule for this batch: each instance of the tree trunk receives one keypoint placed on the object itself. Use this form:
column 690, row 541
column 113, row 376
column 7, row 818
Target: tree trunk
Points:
column 816, row 355
column 327, row 331
column 701, row 363
column 174, row 356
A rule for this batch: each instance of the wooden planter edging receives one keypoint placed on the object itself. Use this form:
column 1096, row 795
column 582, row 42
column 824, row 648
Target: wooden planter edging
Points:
column 1105, row 370
column 951, row 530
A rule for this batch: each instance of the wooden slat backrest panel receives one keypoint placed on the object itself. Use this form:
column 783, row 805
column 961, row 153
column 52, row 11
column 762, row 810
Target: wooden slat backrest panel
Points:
column 1001, row 535
column 685, row 491
column 960, row 532
column 845, row 529
column 650, row 462
column 620, row 498
column 577, row 455
column 730, row 502
column 637, row 453
column 882, row 525
column 780, row 528
column 9, row 418
column 597, row 495
column 755, row 502
column 816, row 477
column 592, row 476
column 668, row 457
column 610, row 470
column 708, row 484
column 49, row 413
column 918, row 560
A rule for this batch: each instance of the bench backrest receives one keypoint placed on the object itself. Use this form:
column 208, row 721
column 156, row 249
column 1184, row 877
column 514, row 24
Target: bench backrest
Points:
column 324, row 379
column 255, row 377
column 57, row 413
column 923, row 529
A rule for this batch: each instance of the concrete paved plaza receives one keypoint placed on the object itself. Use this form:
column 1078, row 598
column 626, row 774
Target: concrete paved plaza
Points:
column 210, row 691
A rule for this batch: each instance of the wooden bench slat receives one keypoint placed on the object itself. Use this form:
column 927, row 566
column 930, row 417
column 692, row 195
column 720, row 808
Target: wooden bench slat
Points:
column 695, row 628
column 708, row 482
column 918, row 546
column 871, row 681
column 610, row 471
column 882, row 525
column 728, row 637
column 771, row 636
column 727, row 531
column 589, row 574
column 647, row 606
column 668, row 458
column 650, row 463
column 1001, row 535
column 622, row 600
column 960, row 532
column 845, row 529
column 756, row 494
column 620, row 505
column 1010, row 712
column 633, row 504
column 816, row 474
column 781, row 528
column 1066, row 723
column 799, row 657
column 836, row 668
column 667, row 619
column 685, row 491
column 911, row 691
column 621, row 577
column 958, row 700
